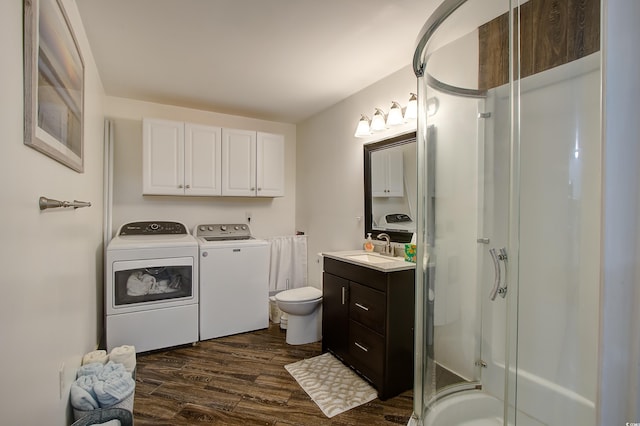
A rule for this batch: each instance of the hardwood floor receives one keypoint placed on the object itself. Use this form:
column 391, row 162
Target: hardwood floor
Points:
column 241, row 380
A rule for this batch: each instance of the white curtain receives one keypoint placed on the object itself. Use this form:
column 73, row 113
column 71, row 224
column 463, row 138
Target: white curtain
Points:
column 288, row 268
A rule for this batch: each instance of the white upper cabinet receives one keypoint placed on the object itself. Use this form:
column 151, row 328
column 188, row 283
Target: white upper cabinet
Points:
column 239, row 162
column 253, row 163
column 191, row 159
column 387, row 173
column 163, row 157
column 203, row 160
column 181, row 158
column 270, row 165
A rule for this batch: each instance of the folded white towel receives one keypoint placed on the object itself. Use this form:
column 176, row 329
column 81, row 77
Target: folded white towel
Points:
column 125, row 355
column 82, row 395
column 92, row 369
column 99, row 356
column 114, row 384
column 111, row 369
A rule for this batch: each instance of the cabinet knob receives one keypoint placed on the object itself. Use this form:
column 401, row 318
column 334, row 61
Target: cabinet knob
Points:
column 253, row 188
column 179, row 186
column 188, row 186
column 259, row 189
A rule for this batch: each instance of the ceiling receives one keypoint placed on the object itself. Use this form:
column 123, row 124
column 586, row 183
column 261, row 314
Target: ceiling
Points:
column 281, row 60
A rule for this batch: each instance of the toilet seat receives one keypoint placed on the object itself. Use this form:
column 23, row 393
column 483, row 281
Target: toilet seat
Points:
column 302, row 294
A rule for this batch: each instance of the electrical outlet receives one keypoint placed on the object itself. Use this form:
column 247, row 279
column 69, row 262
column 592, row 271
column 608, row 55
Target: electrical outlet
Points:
column 248, row 217
column 61, row 379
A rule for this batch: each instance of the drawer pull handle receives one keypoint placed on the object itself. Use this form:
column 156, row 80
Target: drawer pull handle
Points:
column 344, row 290
column 364, row 308
column 361, row 347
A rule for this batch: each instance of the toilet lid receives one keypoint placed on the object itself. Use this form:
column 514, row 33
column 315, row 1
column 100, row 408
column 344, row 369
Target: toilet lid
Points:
column 299, row 294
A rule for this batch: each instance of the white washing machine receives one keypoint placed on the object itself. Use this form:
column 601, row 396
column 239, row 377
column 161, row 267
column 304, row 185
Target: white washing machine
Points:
column 151, row 286
column 234, row 280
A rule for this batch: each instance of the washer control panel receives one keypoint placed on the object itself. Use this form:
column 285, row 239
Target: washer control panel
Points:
column 223, row 231
column 153, row 228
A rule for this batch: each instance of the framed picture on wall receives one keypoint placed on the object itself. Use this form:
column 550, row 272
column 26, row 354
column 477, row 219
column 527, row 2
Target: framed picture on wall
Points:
column 53, row 84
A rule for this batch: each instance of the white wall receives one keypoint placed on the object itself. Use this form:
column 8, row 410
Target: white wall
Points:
column 619, row 385
column 270, row 216
column 51, row 262
column 330, row 178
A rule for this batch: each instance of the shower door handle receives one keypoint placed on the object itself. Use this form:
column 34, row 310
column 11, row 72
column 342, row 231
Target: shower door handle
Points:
column 497, row 288
column 502, row 291
column 496, row 279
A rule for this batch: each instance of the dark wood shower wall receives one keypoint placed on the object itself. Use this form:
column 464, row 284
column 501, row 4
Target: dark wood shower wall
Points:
column 552, row 33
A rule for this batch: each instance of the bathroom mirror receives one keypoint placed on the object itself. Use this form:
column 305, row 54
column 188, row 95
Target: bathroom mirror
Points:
column 390, row 187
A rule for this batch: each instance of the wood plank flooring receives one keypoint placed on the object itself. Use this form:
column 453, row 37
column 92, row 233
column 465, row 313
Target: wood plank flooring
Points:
column 241, row 380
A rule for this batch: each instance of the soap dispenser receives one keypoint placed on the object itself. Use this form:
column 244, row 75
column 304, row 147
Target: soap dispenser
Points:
column 368, row 244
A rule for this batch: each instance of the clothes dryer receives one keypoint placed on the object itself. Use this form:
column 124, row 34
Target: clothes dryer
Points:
column 151, row 286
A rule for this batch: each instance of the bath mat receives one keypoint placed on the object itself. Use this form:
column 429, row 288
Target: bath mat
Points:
column 334, row 387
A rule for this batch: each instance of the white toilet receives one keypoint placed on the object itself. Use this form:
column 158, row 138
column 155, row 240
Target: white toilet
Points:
column 302, row 306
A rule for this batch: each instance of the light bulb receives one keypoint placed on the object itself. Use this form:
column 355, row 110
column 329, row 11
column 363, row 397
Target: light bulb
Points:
column 411, row 112
column 395, row 115
column 432, row 106
column 378, row 121
column 363, row 127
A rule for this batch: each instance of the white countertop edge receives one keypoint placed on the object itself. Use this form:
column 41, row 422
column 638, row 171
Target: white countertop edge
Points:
column 394, row 264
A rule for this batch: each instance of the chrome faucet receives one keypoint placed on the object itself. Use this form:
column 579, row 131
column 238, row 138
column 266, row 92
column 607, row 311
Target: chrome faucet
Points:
column 387, row 247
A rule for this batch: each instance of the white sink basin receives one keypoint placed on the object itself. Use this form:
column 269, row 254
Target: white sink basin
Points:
column 371, row 258
column 375, row 261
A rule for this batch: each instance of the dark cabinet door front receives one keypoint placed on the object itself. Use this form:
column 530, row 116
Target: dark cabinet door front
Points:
column 335, row 315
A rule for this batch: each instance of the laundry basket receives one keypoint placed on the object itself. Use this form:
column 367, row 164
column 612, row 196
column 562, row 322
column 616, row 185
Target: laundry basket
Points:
column 105, row 416
column 125, row 404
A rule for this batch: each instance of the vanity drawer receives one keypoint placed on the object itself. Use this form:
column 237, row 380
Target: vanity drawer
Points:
column 366, row 349
column 368, row 307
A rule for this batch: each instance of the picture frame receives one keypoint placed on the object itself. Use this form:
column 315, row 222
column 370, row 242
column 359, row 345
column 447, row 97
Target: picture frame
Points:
column 53, row 84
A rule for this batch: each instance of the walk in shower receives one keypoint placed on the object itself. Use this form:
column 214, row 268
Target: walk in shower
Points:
column 509, row 213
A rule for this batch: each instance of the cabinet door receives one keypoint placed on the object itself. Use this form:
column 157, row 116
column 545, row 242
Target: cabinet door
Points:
column 387, row 173
column 270, row 165
column 378, row 174
column 335, row 315
column 203, row 161
column 238, row 162
column 395, row 173
column 163, row 157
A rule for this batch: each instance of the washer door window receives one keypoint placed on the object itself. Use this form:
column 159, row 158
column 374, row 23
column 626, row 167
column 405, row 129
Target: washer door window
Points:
column 152, row 281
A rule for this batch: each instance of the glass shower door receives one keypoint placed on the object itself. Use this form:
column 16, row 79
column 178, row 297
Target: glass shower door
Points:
column 465, row 158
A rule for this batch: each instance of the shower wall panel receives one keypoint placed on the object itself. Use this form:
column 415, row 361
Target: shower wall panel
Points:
column 559, row 244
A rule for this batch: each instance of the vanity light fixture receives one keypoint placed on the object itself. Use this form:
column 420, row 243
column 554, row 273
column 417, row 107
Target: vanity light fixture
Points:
column 395, row 115
column 411, row 112
column 363, row 129
column 432, row 106
column 378, row 122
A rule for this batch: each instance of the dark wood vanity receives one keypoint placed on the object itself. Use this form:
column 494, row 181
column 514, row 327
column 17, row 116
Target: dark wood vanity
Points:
column 368, row 321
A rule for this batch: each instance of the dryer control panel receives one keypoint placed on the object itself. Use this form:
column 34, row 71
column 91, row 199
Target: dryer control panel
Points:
column 153, row 228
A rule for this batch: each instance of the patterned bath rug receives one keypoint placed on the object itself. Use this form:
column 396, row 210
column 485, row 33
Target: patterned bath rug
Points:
column 334, row 387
